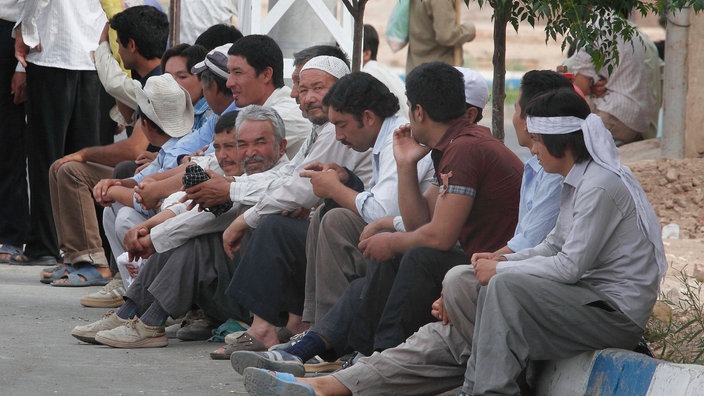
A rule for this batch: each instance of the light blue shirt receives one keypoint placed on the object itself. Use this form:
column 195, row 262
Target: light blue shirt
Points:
column 165, row 160
column 201, row 113
column 539, row 205
column 381, row 197
column 200, row 137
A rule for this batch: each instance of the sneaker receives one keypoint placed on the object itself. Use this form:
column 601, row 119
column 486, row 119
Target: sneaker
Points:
column 291, row 342
column 86, row 333
column 110, row 296
column 196, row 327
column 133, row 334
column 275, row 360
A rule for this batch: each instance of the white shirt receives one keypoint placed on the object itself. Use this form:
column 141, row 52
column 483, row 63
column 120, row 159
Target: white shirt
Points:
column 189, row 224
column 296, row 192
column 10, row 9
column 297, row 126
column 381, row 196
column 392, row 81
column 198, row 15
column 116, row 82
column 68, row 30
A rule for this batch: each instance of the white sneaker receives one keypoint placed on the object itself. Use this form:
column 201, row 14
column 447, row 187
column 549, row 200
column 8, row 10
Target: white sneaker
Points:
column 133, row 334
column 86, row 333
column 110, row 296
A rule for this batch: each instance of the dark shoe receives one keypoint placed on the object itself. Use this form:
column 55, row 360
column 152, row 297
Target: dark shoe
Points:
column 22, row 259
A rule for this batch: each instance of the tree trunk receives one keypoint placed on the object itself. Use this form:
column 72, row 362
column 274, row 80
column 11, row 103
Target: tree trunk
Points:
column 175, row 26
column 501, row 15
column 358, row 15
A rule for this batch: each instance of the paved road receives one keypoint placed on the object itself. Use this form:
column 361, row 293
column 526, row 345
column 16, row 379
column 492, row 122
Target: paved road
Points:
column 38, row 356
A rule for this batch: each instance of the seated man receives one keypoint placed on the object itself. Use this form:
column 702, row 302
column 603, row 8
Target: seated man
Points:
column 197, row 272
column 380, row 72
column 405, row 269
column 591, row 284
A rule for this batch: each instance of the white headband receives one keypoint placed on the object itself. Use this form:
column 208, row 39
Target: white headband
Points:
column 601, row 147
column 554, row 125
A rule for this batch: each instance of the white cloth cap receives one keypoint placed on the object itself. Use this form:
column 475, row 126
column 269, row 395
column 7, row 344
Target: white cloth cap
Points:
column 601, row 146
column 329, row 64
column 166, row 103
column 476, row 88
column 216, row 61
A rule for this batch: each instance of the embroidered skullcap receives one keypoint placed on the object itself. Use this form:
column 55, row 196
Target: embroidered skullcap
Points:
column 215, row 61
column 166, row 103
column 476, row 89
column 329, row 64
column 601, row 147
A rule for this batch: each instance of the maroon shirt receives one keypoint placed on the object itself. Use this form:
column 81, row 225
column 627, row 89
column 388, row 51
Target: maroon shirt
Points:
column 480, row 166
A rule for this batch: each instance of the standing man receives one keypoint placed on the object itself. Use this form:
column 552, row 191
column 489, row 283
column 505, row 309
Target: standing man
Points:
column 14, row 212
column 53, row 40
column 433, row 33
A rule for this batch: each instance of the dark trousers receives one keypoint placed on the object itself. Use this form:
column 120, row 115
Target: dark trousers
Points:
column 63, row 114
column 391, row 302
column 270, row 279
column 14, row 209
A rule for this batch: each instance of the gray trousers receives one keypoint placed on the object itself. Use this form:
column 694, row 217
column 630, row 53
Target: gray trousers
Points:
column 333, row 260
column 196, row 273
column 117, row 220
column 433, row 359
column 523, row 317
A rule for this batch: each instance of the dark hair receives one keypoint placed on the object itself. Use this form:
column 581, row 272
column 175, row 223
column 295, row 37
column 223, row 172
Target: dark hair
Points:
column 560, row 103
column 147, row 26
column 192, row 53
column 218, row 35
column 207, row 77
column 304, row 55
column 439, row 89
column 536, row 82
column 480, row 112
column 226, row 122
column 371, row 40
column 361, row 91
column 261, row 52
column 139, row 114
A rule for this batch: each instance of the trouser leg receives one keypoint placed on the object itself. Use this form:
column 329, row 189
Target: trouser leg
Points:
column 333, row 260
column 523, row 317
column 270, row 278
column 417, row 284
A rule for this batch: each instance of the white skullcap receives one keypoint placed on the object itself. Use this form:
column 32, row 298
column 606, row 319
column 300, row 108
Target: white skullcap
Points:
column 601, row 147
column 476, row 90
column 329, row 64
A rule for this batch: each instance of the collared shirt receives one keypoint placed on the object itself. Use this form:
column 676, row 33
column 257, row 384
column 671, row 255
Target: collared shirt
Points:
column 596, row 240
column 381, row 195
column 392, row 81
column 469, row 161
column 297, row 126
column 296, row 191
column 189, row 224
column 165, row 160
column 67, row 31
column 538, row 207
column 633, row 90
column 201, row 113
column 202, row 136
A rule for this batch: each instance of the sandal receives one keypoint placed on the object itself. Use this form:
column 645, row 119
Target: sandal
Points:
column 7, row 251
column 81, row 277
column 260, row 382
column 244, row 342
column 22, row 259
column 59, row 271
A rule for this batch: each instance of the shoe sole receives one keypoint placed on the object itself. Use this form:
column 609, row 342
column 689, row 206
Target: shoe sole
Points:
column 86, row 338
column 102, row 303
column 243, row 359
column 153, row 342
column 261, row 383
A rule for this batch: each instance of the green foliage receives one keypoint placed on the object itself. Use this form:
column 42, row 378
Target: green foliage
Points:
column 679, row 337
column 578, row 20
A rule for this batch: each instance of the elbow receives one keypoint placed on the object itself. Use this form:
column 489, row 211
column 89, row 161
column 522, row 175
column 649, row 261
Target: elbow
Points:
column 440, row 243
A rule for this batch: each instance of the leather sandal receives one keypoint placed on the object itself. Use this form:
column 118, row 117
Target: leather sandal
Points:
column 244, row 342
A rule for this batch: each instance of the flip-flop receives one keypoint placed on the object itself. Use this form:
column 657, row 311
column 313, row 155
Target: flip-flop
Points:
column 59, row 272
column 260, row 382
column 82, row 277
column 244, row 342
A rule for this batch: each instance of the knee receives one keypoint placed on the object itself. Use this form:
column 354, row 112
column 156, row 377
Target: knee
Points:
column 508, row 282
column 458, row 278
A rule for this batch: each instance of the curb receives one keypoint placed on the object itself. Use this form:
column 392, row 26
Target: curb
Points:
column 617, row 372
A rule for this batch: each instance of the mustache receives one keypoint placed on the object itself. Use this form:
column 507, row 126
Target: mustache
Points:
column 314, row 106
column 256, row 158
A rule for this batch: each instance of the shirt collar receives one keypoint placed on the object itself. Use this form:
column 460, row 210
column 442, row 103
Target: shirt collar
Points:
column 576, row 174
column 201, row 107
column 387, row 127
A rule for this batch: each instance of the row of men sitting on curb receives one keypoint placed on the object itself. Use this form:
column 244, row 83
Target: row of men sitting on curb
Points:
column 361, row 272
